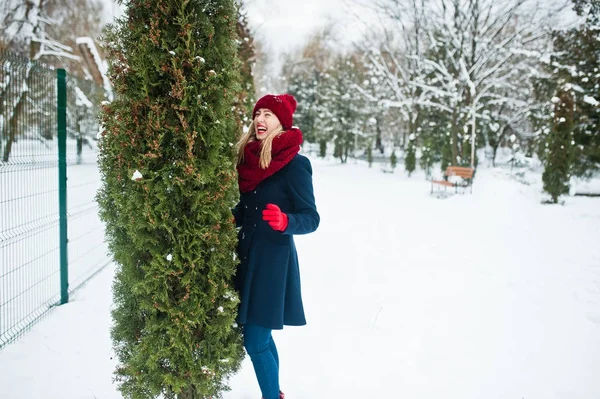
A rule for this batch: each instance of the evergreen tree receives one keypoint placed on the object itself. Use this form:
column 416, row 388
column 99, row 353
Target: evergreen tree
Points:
column 304, row 88
column 345, row 106
column 558, row 159
column 305, row 74
column 393, row 160
column 577, row 62
column 169, row 182
column 446, row 154
column 427, row 156
column 541, row 121
column 410, row 160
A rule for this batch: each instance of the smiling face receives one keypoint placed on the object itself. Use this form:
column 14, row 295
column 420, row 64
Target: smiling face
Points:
column 265, row 123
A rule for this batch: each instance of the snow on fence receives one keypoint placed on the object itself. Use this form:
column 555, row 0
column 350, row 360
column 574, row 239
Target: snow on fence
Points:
column 31, row 277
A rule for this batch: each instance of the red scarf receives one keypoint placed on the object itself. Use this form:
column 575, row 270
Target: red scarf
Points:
column 285, row 147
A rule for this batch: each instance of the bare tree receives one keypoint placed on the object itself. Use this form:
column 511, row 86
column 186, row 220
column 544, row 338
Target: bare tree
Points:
column 42, row 30
column 464, row 58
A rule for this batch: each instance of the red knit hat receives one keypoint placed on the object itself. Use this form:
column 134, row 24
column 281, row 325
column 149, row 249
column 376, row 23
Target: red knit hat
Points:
column 282, row 105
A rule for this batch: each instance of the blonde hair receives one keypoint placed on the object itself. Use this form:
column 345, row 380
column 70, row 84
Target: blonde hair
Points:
column 265, row 148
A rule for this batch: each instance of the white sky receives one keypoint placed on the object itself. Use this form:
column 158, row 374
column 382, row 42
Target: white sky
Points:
column 282, row 25
column 285, row 24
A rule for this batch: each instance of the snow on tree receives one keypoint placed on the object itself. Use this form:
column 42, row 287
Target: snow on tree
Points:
column 560, row 145
column 349, row 113
column 471, row 60
column 577, row 61
column 39, row 32
column 305, row 74
column 97, row 66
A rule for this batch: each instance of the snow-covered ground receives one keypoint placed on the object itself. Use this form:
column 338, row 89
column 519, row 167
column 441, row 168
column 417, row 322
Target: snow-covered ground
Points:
column 489, row 295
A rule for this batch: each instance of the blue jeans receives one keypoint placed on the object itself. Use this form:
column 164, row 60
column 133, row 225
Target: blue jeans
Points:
column 261, row 348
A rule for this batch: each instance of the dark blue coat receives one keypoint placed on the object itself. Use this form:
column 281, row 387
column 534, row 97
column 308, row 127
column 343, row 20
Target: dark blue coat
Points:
column 268, row 277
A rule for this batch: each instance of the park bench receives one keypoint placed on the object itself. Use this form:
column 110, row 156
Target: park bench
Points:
column 464, row 173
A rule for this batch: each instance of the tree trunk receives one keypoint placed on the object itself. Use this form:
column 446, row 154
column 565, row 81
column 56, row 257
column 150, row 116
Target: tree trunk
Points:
column 13, row 126
column 16, row 115
column 189, row 393
column 454, row 137
column 497, row 143
column 344, row 152
column 378, row 143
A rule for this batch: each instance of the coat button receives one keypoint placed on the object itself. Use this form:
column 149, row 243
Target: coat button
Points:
column 246, row 206
column 254, row 224
column 254, row 191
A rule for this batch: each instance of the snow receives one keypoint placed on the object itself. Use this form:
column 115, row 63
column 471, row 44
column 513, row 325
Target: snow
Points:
column 591, row 100
column 81, row 99
column 483, row 295
column 102, row 64
column 136, row 175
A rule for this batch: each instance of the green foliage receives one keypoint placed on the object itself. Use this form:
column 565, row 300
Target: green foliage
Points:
column 393, row 160
column 446, row 154
column 346, row 106
column 427, row 156
column 410, row 159
column 577, row 58
column 304, row 88
column 174, row 69
column 329, row 106
column 559, row 148
column 543, row 90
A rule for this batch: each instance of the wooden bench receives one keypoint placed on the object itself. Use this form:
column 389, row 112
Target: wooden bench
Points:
column 465, row 173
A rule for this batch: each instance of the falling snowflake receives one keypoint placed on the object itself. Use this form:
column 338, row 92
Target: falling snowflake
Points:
column 169, row 257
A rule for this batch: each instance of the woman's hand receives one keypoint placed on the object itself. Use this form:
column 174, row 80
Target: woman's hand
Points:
column 276, row 219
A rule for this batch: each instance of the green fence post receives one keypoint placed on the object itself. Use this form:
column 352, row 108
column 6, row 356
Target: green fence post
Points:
column 61, row 117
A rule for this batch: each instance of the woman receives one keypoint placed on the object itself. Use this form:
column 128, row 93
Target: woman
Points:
column 276, row 202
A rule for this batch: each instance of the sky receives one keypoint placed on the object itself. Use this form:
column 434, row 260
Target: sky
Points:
column 284, row 25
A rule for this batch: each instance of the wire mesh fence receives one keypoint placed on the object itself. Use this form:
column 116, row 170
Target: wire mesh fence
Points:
column 30, row 184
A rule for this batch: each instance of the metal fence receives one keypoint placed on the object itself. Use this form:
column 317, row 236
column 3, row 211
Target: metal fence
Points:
column 51, row 239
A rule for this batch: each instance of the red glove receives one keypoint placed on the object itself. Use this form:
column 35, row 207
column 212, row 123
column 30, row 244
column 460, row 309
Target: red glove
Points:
column 276, row 219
